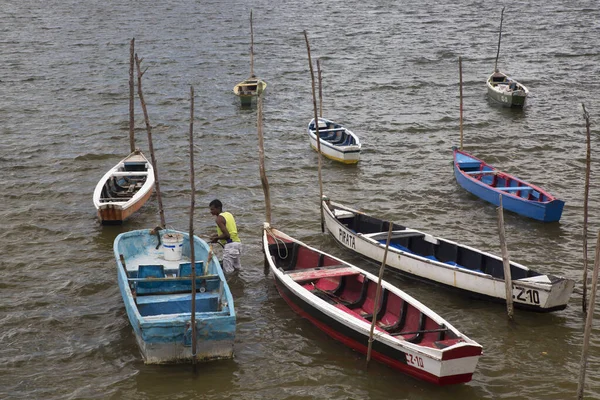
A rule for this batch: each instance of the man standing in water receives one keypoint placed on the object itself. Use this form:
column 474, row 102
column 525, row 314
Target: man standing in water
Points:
column 227, row 235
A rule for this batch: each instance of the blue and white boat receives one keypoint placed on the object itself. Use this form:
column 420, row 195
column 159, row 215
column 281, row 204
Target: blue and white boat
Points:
column 488, row 183
column 337, row 143
column 155, row 280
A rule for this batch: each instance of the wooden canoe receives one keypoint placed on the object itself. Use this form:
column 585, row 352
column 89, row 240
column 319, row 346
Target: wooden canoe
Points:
column 437, row 260
column 154, row 276
column 337, row 143
column 505, row 90
column 339, row 299
column 124, row 189
column 488, row 183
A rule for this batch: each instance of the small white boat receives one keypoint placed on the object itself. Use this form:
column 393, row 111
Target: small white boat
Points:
column 337, row 143
column 506, row 91
column 124, row 189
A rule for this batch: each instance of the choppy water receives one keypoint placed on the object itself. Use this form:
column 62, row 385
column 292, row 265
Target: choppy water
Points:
column 390, row 73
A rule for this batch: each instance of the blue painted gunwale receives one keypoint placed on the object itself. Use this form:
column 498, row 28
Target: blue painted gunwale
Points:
column 166, row 338
column 549, row 210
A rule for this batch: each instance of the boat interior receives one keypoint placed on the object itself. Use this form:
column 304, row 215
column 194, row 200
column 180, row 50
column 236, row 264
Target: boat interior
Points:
column 125, row 183
column 502, row 81
column 334, row 134
column 159, row 291
column 427, row 246
column 349, row 290
column 501, row 181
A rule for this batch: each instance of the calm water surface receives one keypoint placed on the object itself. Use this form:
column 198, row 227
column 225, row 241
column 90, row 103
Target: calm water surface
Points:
column 390, row 73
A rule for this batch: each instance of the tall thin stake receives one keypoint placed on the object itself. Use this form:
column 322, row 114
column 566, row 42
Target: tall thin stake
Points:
column 191, row 235
column 261, row 164
column 585, row 208
column 499, row 37
column 312, row 75
column 378, row 292
column 131, row 93
column 251, row 46
column 320, row 88
column 588, row 323
column 461, row 101
column 149, row 129
column 505, row 262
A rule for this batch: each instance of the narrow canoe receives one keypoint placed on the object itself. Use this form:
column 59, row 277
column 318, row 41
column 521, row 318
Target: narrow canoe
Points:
column 488, row 183
column 124, row 189
column 339, row 298
column 337, row 143
column 441, row 261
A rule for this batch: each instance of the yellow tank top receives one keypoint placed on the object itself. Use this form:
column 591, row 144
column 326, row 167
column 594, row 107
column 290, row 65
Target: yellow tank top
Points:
column 231, row 228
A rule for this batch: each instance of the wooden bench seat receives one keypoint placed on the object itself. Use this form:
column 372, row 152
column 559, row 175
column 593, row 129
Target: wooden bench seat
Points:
column 514, row 188
column 321, row 272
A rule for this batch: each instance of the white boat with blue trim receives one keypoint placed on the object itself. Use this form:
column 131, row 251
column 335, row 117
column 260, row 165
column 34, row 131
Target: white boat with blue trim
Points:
column 421, row 255
column 155, row 279
column 337, row 142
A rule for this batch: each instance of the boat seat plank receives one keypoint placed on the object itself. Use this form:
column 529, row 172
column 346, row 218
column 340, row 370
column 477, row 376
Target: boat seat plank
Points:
column 481, row 172
column 321, row 272
column 162, row 298
column 330, row 130
column 395, row 235
column 515, row 188
column 130, row 173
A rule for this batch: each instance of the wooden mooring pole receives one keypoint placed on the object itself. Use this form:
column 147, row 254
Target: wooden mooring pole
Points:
column 378, row 292
column 586, row 116
column 588, row 323
column 149, row 129
column 191, row 234
column 499, row 38
column 312, row 75
column 131, row 94
column 461, row 100
column 320, row 88
column 261, row 157
column 505, row 262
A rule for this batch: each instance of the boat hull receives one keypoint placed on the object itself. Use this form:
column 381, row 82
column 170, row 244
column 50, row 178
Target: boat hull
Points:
column 346, row 154
column 549, row 210
column 501, row 93
column 161, row 321
column 249, row 90
column 434, row 365
column 545, row 293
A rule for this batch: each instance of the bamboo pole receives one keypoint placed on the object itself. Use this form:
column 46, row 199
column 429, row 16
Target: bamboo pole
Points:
column 586, row 116
column 320, row 88
column 149, row 129
column 261, row 165
column 131, row 94
column 588, row 323
column 191, row 235
column 499, row 37
column 312, row 75
column 505, row 262
column 378, row 292
column 461, row 101
column 251, row 47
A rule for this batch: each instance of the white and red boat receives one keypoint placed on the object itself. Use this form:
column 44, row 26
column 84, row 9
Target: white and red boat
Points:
column 339, row 298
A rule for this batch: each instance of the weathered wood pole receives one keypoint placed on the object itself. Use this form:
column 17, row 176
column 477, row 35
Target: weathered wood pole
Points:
column 320, row 88
column 378, row 292
column 588, row 322
column 191, row 235
column 586, row 116
column 312, row 75
column 261, row 164
column 499, row 37
column 149, row 129
column 251, row 46
column 131, row 93
column 505, row 262
column 461, row 100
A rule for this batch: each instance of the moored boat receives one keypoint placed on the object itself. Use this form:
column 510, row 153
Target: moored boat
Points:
column 488, row 183
column 124, row 189
column 458, row 266
column 505, row 90
column 336, row 142
column 155, row 280
column 252, row 87
column 339, row 298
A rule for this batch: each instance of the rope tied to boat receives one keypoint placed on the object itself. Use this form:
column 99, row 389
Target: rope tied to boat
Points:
column 277, row 241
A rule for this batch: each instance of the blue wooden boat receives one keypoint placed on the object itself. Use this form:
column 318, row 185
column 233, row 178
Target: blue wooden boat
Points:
column 154, row 276
column 518, row 196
